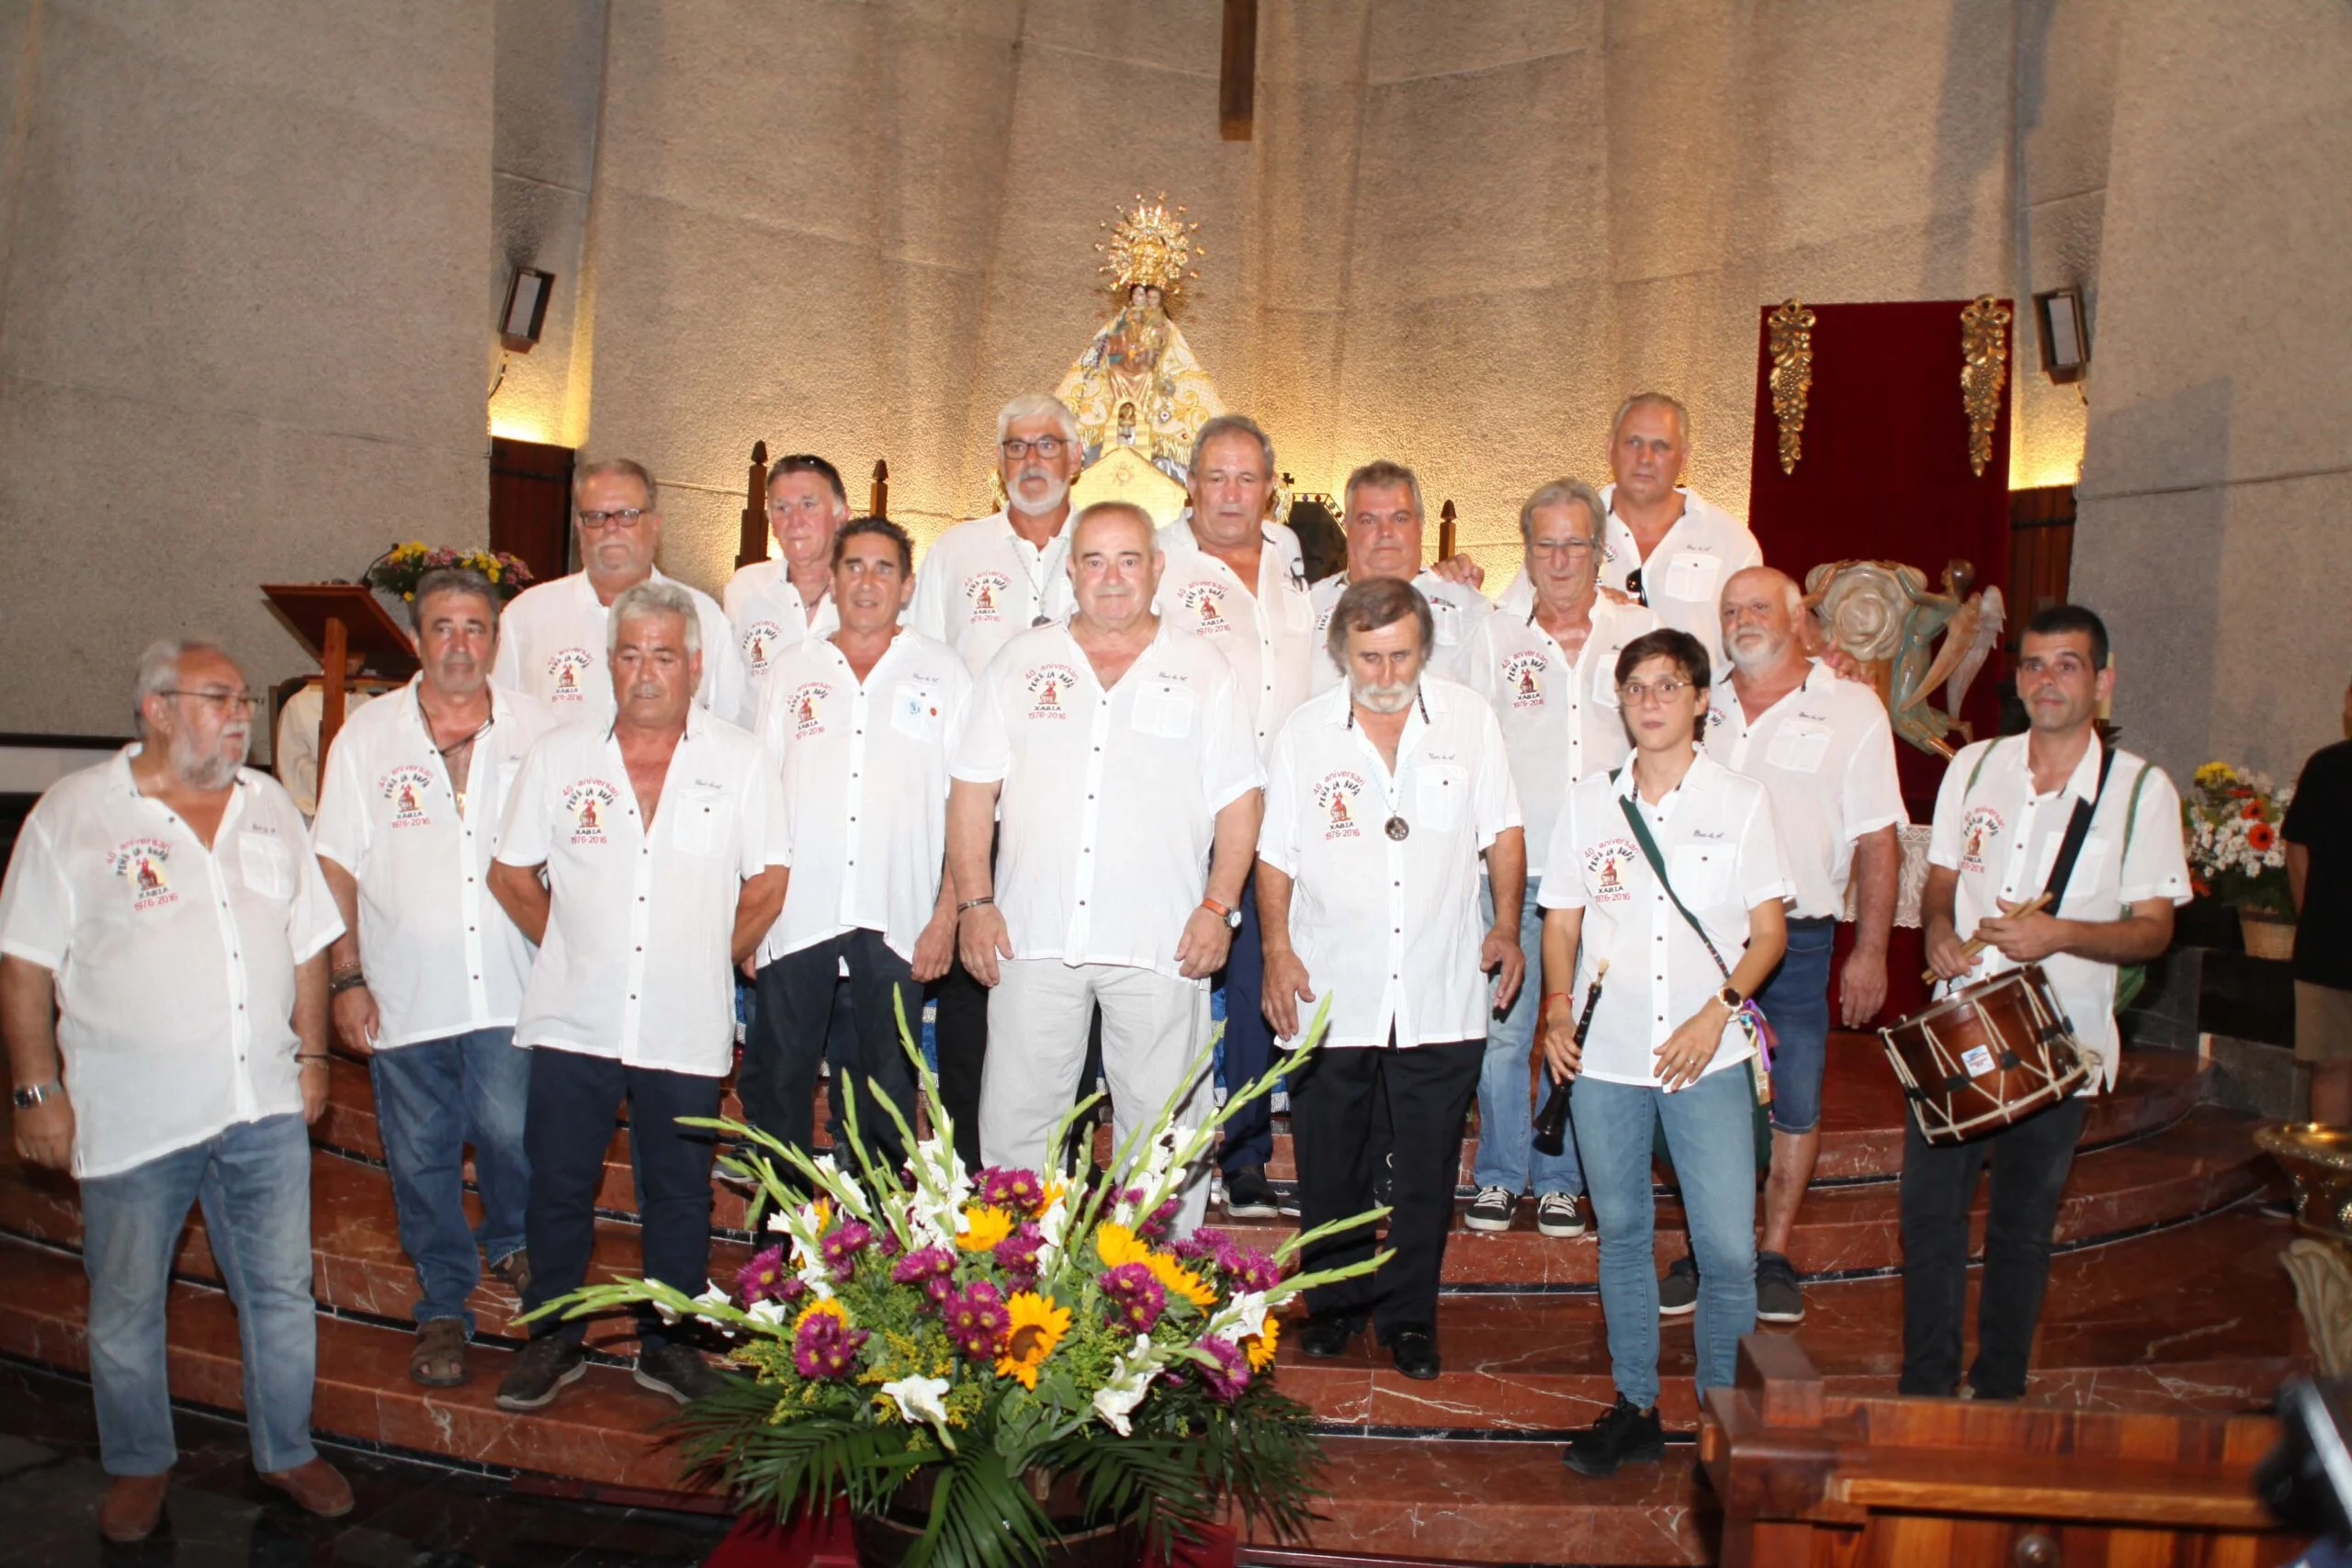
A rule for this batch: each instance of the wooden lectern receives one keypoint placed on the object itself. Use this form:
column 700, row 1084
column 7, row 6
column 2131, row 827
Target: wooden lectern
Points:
column 334, row 621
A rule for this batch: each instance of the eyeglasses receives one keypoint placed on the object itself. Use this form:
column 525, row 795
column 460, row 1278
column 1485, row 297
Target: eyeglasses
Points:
column 224, row 700
column 1562, row 546
column 625, row 518
column 1637, row 694
column 1047, row 447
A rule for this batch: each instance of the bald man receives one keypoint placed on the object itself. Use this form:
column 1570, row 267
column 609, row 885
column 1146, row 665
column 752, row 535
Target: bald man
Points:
column 1824, row 752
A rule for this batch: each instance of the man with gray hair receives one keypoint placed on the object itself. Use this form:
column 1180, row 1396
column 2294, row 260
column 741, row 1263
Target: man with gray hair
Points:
column 552, row 640
column 1667, row 546
column 1381, row 503
column 1549, row 672
column 163, row 998
column 646, row 859
column 427, row 977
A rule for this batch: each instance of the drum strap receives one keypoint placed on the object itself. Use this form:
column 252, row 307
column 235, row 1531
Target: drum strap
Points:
column 2078, row 828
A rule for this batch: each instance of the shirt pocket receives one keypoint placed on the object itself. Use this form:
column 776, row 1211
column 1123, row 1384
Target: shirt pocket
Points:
column 1441, row 794
column 1448, row 619
column 1163, row 711
column 2090, row 862
column 1691, row 576
column 266, row 864
column 914, row 711
column 700, row 829
column 1798, row 747
column 1701, row 874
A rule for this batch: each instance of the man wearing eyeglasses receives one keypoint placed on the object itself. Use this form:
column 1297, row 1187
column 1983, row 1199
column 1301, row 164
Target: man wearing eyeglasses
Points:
column 1382, row 501
column 552, row 639
column 778, row 604
column 1549, row 672
column 163, row 996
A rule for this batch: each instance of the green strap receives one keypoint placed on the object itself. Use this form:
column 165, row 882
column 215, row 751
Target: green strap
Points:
column 1658, row 868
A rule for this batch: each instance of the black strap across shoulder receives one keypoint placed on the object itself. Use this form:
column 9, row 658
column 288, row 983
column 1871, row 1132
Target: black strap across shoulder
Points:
column 2078, row 828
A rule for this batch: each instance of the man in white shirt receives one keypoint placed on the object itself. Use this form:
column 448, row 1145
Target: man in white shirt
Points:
column 780, row 603
column 552, row 637
column 1668, row 547
column 428, row 973
column 1550, row 673
column 2001, row 818
column 1660, row 873
column 646, row 859
column 1117, row 751
column 1237, row 581
column 1382, row 795
column 1381, row 503
column 164, row 997
column 863, row 722
column 294, row 750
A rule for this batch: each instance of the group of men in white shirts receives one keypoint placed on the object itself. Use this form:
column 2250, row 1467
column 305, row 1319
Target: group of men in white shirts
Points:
column 1074, row 767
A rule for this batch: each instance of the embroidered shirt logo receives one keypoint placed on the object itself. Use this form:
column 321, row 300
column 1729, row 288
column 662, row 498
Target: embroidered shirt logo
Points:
column 1049, row 687
column 1608, row 867
column 1206, row 602
column 986, row 590
column 1337, row 795
column 808, row 710
column 141, row 863
column 760, row 640
column 590, row 803
column 567, row 673
column 1523, row 678
column 1977, row 830
column 407, row 787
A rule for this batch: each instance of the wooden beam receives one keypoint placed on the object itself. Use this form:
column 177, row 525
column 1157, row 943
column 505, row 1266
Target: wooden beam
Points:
column 1237, row 93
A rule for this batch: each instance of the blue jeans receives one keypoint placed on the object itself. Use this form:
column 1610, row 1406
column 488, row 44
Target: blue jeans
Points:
column 1711, row 1129
column 431, row 1098
column 253, row 1181
column 1506, row 1120
column 1795, row 1000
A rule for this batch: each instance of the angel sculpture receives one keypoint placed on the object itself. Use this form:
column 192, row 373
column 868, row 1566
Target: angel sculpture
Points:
column 1884, row 614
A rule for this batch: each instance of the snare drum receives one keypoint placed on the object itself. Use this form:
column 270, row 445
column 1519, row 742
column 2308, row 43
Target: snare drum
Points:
column 1987, row 1055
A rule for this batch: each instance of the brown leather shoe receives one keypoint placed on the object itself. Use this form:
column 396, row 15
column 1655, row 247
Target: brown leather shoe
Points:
column 439, row 1359
column 317, row 1487
column 134, row 1506
column 513, row 1271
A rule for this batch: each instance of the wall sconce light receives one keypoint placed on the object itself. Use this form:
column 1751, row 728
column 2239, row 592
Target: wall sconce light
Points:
column 527, row 308
column 2065, row 334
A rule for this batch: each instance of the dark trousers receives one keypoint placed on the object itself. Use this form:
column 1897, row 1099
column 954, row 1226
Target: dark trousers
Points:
column 2029, row 1163
column 575, row 1102
column 961, row 1032
column 1248, row 1042
column 792, row 1023
column 1331, row 1117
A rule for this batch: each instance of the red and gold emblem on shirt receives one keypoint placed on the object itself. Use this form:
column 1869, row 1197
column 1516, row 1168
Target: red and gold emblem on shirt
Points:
column 986, row 590
column 1205, row 601
column 567, row 672
column 1049, row 686
column 1337, row 795
column 758, row 641
column 407, row 787
column 141, row 864
column 808, row 710
column 589, row 804
column 1523, row 678
column 1607, row 867
column 1977, row 830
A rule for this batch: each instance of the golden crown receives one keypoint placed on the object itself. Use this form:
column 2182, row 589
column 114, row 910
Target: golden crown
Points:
column 1152, row 246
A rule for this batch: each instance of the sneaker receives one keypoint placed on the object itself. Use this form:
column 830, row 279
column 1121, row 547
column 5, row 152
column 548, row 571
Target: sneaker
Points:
column 1557, row 1214
column 1288, row 1204
column 1678, row 1292
column 1491, row 1210
column 539, row 1373
column 679, row 1371
column 1623, row 1436
column 1779, row 1297
column 1248, row 1195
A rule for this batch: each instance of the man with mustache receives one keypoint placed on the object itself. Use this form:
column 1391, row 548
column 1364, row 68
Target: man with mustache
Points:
column 1381, row 503
column 164, row 997
column 1381, row 797
column 646, row 858
column 779, row 603
column 1117, row 751
column 552, row 639
column 427, row 977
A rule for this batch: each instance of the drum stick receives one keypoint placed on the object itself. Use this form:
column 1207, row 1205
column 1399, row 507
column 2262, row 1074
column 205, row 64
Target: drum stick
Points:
column 1977, row 945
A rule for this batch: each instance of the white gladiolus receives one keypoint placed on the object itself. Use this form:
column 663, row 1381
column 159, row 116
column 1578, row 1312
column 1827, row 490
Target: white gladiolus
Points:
column 920, row 1399
column 773, row 1313
column 1117, row 1399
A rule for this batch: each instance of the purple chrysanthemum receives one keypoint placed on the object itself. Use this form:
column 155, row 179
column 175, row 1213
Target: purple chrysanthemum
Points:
column 1246, row 1267
column 825, row 1346
column 1154, row 1227
column 1019, row 1191
column 1133, row 1296
column 763, row 1277
column 1017, row 1254
column 976, row 1320
column 933, row 1268
column 1230, row 1373
column 1202, row 1243
column 842, row 1247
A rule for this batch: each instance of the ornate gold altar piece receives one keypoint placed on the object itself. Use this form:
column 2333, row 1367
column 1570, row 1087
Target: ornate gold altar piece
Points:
column 1791, row 378
column 2319, row 1159
column 1983, row 371
column 1884, row 614
column 1138, row 385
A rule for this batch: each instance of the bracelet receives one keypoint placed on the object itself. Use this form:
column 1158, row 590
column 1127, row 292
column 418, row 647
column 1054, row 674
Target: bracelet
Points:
column 1551, row 997
column 970, row 904
column 320, row 1056
column 351, row 982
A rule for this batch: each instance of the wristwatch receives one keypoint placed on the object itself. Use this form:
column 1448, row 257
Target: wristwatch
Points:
column 32, row 1094
column 1231, row 917
column 1729, row 996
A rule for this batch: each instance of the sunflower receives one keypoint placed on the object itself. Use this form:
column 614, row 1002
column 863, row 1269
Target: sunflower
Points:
column 1260, row 1347
column 985, row 1227
column 1116, row 1244
column 1179, row 1281
column 1037, row 1326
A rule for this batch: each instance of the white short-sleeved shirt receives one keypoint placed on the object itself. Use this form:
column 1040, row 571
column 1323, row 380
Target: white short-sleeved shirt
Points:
column 442, row 958
column 769, row 617
column 981, row 585
column 1389, row 929
column 864, row 780
column 1559, row 715
column 1715, row 830
column 551, row 644
column 1683, row 578
column 1825, row 755
column 1109, row 801
column 175, row 963
column 1266, row 629
column 637, row 964
column 294, row 756
column 1455, row 610
column 2003, row 840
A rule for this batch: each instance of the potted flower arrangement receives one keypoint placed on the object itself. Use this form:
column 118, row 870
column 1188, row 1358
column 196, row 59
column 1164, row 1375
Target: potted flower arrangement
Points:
column 1003, row 1367
column 401, row 567
column 2235, row 855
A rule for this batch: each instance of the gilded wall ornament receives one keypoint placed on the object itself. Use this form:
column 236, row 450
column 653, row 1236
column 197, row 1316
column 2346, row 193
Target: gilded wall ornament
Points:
column 1792, row 381
column 1983, row 371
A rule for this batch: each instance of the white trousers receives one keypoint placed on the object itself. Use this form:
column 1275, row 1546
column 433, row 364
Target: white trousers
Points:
column 1152, row 1029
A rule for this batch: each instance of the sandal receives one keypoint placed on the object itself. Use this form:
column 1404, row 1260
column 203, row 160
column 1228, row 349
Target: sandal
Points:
column 439, row 1359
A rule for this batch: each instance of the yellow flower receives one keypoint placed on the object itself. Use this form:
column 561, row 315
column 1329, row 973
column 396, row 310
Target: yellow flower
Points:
column 825, row 1304
column 989, row 1225
column 1116, row 1244
column 1037, row 1326
column 1260, row 1347
column 1179, row 1281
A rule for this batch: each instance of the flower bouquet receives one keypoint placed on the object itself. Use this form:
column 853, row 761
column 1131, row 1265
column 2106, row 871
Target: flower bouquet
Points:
column 2235, row 855
column 999, row 1367
column 402, row 567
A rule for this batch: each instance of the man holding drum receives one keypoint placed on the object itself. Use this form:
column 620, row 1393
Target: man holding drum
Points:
column 2002, row 825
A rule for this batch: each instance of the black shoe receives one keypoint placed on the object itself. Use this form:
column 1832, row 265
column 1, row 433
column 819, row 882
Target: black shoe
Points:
column 1327, row 1334
column 1491, row 1210
column 1779, row 1297
column 540, row 1373
column 1677, row 1287
column 678, row 1372
column 1623, row 1436
column 1415, row 1352
column 1248, row 1195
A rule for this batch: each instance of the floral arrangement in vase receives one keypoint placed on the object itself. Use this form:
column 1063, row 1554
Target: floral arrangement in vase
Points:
column 402, row 567
column 994, row 1364
column 2235, row 855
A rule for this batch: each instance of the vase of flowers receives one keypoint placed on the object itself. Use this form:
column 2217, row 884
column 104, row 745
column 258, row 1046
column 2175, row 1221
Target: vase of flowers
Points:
column 2235, row 855
column 399, row 569
column 999, row 1368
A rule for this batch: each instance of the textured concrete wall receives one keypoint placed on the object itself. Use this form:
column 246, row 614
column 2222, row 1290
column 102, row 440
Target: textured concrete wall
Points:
column 240, row 334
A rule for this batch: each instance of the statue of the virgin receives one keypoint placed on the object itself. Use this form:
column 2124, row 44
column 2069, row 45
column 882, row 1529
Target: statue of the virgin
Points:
column 1137, row 384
